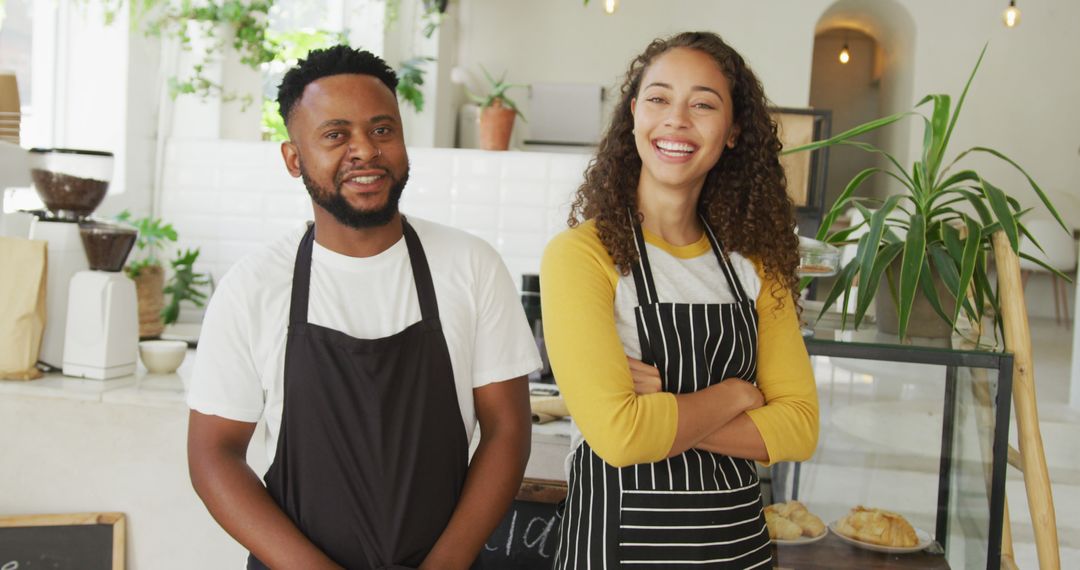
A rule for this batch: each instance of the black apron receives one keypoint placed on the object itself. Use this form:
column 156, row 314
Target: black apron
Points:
column 698, row 508
column 372, row 450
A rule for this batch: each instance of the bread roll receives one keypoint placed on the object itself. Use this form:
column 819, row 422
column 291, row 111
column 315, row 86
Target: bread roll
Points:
column 810, row 524
column 781, row 528
column 796, row 513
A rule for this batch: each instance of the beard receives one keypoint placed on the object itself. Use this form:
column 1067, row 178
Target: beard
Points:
column 334, row 202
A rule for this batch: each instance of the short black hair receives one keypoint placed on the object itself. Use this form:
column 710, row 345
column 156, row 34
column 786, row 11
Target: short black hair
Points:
column 337, row 60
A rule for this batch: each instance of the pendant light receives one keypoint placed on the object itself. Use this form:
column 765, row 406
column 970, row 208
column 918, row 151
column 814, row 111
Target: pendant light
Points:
column 1011, row 15
column 610, row 6
column 845, row 53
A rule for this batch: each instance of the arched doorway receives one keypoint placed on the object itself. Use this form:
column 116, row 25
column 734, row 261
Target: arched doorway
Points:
column 877, row 81
column 846, row 80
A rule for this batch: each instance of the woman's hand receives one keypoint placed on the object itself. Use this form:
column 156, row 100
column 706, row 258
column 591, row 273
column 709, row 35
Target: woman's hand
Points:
column 647, row 381
column 646, row 377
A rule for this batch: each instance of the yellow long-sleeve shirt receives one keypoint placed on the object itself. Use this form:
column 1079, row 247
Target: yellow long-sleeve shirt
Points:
column 588, row 327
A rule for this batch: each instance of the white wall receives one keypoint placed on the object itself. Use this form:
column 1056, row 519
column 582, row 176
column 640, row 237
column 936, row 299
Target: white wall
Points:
column 1022, row 103
column 230, row 197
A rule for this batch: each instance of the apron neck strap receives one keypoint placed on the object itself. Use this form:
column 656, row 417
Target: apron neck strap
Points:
column 642, row 270
column 425, row 288
column 725, row 264
column 301, row 288
column 302, row 278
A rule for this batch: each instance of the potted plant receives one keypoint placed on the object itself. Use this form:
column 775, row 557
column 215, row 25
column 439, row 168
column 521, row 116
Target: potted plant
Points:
column 148, row 272
column 497, row 113
column 938, row 228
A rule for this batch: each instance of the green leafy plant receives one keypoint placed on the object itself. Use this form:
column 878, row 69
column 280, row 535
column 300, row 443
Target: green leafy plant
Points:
column 273, row 126
column 496, row 95
column 246, row 25
column 410, row 78
column 153, row 237
column 940, row 223
column 185, row 285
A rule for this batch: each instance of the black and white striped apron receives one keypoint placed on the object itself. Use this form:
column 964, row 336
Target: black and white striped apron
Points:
column 698, row 508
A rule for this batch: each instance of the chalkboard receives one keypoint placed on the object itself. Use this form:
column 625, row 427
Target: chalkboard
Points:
column 528, row 534
column 87, row 541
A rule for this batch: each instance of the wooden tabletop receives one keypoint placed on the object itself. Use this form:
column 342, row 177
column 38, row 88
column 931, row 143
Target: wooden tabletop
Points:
column 831, row 553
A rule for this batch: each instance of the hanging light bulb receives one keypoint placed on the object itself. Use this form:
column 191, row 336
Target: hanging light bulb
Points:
column 845, row 54
column 610, row 6
column 1011, row 15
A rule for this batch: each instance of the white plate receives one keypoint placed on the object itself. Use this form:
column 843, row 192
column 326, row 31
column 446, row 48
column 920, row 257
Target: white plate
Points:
column 801, row 540
column 924, row 537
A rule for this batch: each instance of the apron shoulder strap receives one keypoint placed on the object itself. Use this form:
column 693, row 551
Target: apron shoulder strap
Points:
column 298, row 307
column 425, row 288
column 725, row 264
column 642, row 270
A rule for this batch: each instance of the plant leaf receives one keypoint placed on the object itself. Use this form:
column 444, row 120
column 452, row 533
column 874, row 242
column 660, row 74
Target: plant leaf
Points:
column 842, row 199
column 926, row 285
column 1001, row 209
column 841, row 284
column 1031, row 181
column 939, row 123
column 868, row 283
column 850, row 133
column 959, row 105
column 868, row 250
column 1046, row 266
column 910, row 267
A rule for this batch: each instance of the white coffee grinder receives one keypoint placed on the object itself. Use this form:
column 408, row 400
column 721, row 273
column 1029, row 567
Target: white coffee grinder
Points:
column 72, row 183
column 102, row 334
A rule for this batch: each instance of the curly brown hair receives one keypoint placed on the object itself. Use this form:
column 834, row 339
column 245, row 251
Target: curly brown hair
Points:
column 744, row 197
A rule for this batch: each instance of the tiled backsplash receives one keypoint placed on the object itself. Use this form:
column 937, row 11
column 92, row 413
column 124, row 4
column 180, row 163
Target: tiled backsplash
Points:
column 229, row 198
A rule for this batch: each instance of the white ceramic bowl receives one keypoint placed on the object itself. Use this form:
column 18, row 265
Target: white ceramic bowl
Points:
column 162, row 356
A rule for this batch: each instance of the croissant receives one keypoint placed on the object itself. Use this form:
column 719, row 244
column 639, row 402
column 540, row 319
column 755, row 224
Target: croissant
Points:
column 877, row 526
column 781, row 528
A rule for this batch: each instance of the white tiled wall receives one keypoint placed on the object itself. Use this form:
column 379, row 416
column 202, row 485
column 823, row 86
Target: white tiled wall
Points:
column 230, row 197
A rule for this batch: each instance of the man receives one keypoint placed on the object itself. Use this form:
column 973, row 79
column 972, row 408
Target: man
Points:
column 371, row 344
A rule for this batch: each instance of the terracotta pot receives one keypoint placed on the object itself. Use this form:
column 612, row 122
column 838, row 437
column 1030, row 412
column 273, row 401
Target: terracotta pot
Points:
column 924, row 321
column 496, row 126
column 150, row 291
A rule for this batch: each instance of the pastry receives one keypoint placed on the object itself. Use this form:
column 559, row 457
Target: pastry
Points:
column 781, row 528
column 877, row 526
column 798, row 516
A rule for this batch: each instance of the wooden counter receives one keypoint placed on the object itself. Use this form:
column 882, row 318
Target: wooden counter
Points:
column 832, row 553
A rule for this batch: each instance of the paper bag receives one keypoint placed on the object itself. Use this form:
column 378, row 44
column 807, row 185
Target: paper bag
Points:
column 22, row 294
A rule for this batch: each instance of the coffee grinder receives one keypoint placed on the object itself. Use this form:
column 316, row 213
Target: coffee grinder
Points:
column 102, row 333
column 72, row 183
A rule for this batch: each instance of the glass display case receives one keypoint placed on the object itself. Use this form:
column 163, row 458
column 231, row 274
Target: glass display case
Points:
column 917, row 429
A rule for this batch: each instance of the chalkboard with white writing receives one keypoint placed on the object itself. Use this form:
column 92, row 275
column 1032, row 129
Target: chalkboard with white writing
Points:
column 528, row 534
column 89, row 541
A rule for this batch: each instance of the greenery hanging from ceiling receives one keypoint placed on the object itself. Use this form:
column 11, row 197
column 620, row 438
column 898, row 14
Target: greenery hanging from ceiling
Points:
column 244, row 25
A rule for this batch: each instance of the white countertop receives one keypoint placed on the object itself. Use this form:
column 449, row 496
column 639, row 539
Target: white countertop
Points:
column 140, row 389
column 551, row 441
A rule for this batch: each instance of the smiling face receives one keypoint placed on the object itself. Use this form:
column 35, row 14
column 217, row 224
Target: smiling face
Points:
column 682, row 119
column 347, row 145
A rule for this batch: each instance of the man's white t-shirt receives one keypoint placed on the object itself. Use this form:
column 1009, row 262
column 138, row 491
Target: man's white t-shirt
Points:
column 240, row 362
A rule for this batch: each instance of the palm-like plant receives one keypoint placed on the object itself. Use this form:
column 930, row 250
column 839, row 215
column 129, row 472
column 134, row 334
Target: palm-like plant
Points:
column 924, row 226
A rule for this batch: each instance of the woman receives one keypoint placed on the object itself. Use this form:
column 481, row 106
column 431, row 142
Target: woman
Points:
column 670, row 320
